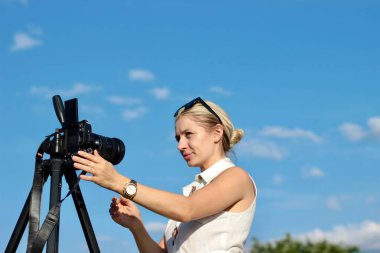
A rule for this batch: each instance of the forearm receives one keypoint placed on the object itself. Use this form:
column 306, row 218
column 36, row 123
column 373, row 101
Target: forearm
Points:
column 171, row 205
column 144, row 242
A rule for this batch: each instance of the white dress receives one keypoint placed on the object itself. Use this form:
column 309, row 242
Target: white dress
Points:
column 221, row 232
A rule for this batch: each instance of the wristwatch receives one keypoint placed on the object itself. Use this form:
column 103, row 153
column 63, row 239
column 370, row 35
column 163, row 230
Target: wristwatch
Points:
column 130, row 189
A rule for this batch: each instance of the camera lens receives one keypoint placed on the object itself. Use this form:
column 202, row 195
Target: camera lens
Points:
column 111, row 149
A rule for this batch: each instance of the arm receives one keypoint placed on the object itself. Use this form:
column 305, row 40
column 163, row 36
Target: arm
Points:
column 126, row 213
column 204, row 202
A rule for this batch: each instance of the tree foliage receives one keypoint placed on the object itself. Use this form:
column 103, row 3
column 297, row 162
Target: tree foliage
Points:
column 290, row 245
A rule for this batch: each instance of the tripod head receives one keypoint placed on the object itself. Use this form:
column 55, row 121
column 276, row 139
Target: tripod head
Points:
column 77, row 135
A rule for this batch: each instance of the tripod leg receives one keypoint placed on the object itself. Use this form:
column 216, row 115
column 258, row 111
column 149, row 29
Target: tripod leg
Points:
column 55, row 197
column 20, row 227
column 84, row 218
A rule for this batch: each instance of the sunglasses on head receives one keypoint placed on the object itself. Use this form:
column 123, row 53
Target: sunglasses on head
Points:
column 193, row 102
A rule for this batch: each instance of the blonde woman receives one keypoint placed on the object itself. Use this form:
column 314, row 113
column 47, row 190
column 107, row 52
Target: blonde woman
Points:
column 215, row 212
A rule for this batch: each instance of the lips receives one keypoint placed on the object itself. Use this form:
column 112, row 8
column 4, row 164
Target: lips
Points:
column 186, row 156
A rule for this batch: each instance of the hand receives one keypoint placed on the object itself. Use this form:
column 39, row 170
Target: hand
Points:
column 103, row 172
column 124, row 212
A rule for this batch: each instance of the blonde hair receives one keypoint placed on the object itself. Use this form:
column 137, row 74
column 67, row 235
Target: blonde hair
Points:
column 204, row 117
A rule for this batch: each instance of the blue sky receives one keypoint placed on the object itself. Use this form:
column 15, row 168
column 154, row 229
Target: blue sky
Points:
column 301, row 77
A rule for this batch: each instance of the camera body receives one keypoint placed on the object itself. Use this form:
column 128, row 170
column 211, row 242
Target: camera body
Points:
column 78, row 135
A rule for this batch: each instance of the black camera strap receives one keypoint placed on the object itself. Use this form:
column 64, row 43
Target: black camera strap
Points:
column 35, row 202
column 37, row 237
column 50, row 222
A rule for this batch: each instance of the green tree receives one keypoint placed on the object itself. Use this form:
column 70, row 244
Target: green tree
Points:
column 290, row 245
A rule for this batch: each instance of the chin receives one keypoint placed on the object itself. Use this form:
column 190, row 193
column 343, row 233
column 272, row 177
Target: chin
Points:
column 192, row 164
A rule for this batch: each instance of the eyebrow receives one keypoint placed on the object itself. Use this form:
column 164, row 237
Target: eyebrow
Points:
column 184, row 131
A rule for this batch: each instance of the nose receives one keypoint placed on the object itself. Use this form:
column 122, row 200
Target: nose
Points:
column 181, row 144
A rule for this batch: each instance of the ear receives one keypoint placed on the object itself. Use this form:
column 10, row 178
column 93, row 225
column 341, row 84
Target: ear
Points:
column 218, row 133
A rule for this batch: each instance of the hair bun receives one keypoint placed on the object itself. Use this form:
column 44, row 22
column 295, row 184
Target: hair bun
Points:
column 236, row 136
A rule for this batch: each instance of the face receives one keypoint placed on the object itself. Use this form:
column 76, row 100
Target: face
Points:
column 199, row 146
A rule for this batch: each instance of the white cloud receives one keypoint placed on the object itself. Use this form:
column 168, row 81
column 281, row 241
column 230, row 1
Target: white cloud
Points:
column 313, row 172
column 129, row 115
column 261, row 148
column 281, row 132
column 118, row 100
column 220, row 90
column 22, row 41
column 155, row 227
column 141, row 75
column 374, row 125
column 160, row 93
column 365, row 235
column 352, row 132
column 77, row 89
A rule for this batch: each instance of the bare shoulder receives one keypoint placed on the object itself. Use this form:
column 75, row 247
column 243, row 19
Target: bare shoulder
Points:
column 237, row 176
column 237, row 173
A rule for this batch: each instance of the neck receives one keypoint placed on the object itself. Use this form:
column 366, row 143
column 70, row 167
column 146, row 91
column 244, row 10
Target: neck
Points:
column 211, row 161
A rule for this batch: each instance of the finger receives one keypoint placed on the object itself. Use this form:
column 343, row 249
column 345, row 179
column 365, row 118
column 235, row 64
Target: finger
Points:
column 83, row 167
column 89, row 156
column 115, row 200
column 123, row 200
column 96, row 153
column 87, row 178
column 113, row 204
column 126, row 202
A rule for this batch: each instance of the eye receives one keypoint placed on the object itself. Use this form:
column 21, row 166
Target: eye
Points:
column 177, row 138
column 189, row 134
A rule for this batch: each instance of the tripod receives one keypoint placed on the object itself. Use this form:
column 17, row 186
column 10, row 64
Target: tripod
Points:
column 55, row 167
column 76, row 136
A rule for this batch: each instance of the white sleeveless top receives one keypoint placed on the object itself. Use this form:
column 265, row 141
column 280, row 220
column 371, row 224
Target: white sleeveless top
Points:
column 218, row 233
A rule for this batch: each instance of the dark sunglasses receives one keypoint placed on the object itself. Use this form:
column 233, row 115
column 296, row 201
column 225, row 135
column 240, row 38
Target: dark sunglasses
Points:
column 193, row 102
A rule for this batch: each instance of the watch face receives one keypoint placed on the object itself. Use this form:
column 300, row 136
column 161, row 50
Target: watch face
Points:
column 131, row 189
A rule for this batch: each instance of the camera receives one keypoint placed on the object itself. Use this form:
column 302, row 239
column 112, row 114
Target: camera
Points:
column 78, row 135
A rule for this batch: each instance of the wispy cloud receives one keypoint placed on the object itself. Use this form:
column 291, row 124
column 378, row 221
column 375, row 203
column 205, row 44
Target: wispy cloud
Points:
column 371, row 199
column 160, row 93
column 24, row 2
column 105, row 238
column 132, row 114
column 220, row 90
column 261, row 148
column 313, row 172
column 335, row 202
column 365, row 235
column 155, row 227
column 278, row 179
column 77, row 89
column 141, row 75
column 118, row 100
column 23, row 41
column 285, row 133
column 35, row 30
column 354, row 132
column 94, row 110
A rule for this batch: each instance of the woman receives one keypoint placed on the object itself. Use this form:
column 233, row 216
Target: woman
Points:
column 216, row 211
